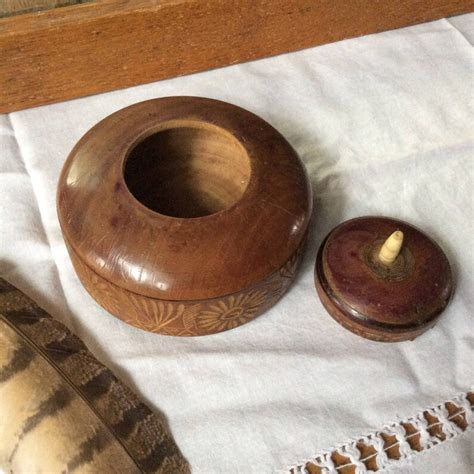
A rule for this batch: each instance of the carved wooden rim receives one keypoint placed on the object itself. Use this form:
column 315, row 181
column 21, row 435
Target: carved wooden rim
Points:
column 193, row 317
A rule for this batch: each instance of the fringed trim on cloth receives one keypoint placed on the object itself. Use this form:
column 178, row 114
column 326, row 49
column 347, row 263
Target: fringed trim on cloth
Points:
column 396, row 442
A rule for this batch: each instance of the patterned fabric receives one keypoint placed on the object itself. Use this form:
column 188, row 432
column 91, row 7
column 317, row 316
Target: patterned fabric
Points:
column 63, row 411
column 396, row 442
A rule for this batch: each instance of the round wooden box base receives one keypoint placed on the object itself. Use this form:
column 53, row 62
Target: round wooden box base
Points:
column 187, row 318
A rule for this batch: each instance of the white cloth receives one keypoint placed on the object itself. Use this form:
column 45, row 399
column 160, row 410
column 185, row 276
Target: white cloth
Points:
column 384, row 126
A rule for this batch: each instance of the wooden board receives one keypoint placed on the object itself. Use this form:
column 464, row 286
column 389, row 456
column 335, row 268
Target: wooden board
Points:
column 94, row 47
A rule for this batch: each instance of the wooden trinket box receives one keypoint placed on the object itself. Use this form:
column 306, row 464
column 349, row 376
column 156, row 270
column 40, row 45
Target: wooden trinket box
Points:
column 183, row 215
column 382, row 278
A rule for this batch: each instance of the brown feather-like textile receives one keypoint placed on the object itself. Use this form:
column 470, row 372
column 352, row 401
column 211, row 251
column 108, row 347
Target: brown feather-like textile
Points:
column 62, row 411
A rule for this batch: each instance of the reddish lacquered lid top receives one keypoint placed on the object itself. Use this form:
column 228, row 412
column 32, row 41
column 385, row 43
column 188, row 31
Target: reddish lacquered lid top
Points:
column 405, row 295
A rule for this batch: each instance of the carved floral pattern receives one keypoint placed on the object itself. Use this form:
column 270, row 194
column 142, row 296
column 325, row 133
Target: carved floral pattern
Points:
column 187, row 318
column 230, row 312
column 155, row 315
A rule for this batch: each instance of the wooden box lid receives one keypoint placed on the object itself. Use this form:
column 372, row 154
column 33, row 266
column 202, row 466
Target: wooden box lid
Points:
column 132, row 207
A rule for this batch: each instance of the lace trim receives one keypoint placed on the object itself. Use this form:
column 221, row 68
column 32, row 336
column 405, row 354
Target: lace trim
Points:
column 396, row 442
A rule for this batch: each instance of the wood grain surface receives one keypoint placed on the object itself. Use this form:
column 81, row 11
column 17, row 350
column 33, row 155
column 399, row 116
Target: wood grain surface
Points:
column 389, row 303
column 95, row 47
column 184, row 215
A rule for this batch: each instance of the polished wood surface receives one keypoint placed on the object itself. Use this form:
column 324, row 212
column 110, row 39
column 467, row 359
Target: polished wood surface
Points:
column 383, row 302
column 104, row 45
column 184, row 215
column 201, row 171
column 188, row 317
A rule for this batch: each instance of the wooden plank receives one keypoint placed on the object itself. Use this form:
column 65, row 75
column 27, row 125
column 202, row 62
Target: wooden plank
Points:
column 96, row 47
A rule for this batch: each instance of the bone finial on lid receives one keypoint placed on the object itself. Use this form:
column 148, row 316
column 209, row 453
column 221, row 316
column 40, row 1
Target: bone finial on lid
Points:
column 391, row 248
